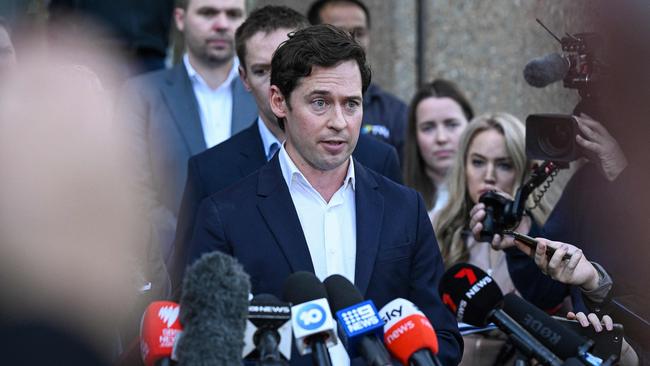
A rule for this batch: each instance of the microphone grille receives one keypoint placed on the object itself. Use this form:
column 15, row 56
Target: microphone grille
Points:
column 214, row 308
column 303, row 286
column 546, row 70
column 341, row 293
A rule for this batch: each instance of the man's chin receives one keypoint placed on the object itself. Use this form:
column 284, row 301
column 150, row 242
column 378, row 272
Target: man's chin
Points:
column 220, row 58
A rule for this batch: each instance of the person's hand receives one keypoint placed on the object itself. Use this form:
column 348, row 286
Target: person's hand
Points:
column 575, row 271
column 628, row 355
column 477, row 215
column 592, row 319
column 601, row 147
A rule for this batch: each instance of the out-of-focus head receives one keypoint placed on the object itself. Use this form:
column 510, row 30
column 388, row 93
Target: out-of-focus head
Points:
column 438, row 114
column 318, row 77
column 7, row 50
column 256, row 40
column 350, row 15
column 70, row 225
column 208, row 28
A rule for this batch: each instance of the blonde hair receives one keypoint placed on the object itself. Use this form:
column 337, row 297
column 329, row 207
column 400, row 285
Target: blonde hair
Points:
column 453, row 220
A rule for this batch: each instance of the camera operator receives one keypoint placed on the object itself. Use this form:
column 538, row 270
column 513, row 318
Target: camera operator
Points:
column 600, row 211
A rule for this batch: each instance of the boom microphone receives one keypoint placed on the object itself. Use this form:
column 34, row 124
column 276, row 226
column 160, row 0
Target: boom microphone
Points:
column 268, row 331
column 214, row 307
column 159, row 329
column 408, row 334
column 542, row 71
column 360, row 327
column 313, row 326
column 561, row 340
column 475, row 298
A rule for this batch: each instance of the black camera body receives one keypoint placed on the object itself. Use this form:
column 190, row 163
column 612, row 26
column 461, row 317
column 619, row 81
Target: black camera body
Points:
column 552, row 137
column 500, row 215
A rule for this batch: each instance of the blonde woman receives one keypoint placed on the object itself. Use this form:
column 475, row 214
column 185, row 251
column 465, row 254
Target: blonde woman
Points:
column 491, row 157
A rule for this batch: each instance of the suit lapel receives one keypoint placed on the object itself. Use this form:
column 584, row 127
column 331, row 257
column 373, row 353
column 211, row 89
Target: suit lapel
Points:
column 370, row 212
column 179, row 97
column 277, row 209
column 251, row 155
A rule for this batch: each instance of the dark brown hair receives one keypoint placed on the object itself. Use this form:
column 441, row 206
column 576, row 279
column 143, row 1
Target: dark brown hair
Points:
column 414, row 165
column 318, row 45
column 266, row 19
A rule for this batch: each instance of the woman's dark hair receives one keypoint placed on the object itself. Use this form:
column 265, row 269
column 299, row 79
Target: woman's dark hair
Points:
column 414, row 166
column 318, row 45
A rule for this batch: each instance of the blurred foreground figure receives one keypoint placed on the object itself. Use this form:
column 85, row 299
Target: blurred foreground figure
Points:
column 70, row 229
column 7, row 51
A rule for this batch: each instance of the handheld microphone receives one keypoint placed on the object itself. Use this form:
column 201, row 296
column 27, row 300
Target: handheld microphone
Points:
column 360, row 327
column 542, row 71
column 159, row 328
column 268, row 331
column 408, row 334
column 561, row 340
column 475, row 298
column 214, row 307
column 312, row 323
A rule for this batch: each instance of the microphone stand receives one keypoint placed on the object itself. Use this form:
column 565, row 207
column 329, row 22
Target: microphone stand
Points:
column 319, row 354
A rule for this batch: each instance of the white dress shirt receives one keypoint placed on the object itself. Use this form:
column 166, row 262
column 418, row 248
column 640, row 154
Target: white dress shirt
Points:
column 269, row 141
column 329, row 227
column 215, row 105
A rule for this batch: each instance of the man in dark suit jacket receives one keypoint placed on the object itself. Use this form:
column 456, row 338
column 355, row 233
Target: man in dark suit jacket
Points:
column 219, row 167
column 315, row 208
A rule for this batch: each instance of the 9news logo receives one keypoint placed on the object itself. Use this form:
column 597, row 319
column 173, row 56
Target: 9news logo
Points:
column 360, row 318
column 311, row 316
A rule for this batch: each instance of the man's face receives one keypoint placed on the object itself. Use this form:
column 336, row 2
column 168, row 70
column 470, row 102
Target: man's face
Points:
column 349, row 17
column 7, row 52
column 322, row 116
column 209, row 28
column 255, row 72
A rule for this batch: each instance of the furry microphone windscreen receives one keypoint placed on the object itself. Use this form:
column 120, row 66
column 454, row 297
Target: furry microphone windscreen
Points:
column 214, row 308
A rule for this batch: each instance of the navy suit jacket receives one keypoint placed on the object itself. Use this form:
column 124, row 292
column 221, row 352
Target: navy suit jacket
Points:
column 219, row 167
column 397, row 254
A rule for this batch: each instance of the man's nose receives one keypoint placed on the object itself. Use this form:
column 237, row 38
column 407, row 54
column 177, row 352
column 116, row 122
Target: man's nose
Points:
column 221, row 21
column 338, row 120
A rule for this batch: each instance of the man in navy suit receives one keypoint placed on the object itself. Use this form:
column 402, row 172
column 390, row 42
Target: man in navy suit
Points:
column 219, row 167
column 315, row 208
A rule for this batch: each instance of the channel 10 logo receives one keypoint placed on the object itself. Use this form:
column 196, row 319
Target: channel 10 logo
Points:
column 311, row 316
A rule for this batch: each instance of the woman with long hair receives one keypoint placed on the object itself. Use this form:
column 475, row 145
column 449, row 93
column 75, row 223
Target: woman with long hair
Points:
column 491, row 157
column 438, row 114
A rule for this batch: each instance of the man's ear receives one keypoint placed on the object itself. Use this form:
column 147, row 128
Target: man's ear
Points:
column 179, row 18
column 243, row 76
column 278, row 102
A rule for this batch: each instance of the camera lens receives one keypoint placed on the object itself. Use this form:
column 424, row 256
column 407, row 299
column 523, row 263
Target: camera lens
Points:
column 557, row 139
